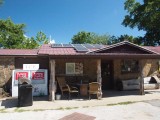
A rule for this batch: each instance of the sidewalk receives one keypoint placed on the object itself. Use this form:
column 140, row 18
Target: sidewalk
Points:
column 109, row 97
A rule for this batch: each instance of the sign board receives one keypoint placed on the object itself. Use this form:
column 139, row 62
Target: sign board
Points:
column 30, row 66
column 37, row 75
column 21, row 74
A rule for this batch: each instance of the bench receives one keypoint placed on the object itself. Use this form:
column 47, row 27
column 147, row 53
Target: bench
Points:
column 133, row 84
column 151, row 83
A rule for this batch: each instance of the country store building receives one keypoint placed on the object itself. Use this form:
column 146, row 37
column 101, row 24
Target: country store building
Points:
column 106, row 64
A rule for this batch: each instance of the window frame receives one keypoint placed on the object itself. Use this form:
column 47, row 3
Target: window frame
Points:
column 129, row 66
column 70, row 68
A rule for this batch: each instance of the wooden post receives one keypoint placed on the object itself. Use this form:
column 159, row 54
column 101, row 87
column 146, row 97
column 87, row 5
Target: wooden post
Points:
column 99, row 78
column 141, row 79
column 52, row 84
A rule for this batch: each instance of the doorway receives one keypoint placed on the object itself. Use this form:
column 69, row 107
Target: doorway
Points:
column 107, row 75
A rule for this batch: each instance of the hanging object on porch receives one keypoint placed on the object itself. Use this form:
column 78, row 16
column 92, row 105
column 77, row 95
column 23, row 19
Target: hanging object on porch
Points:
column 78, row 68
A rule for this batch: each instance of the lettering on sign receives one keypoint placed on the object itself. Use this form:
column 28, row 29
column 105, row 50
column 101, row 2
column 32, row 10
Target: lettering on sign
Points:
column 37, row 75
column 30, row 66
column 21, row 74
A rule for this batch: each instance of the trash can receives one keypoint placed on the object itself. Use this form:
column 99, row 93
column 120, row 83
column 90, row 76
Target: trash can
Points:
column 24, row 92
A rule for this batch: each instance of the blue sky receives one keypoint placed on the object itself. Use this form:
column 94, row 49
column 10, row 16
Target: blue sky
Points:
column 64, row 18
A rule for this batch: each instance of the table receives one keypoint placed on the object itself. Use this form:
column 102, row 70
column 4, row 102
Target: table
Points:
column 83, row 89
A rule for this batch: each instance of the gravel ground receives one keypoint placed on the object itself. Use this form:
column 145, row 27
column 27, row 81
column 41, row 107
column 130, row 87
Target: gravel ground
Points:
column 135, row 111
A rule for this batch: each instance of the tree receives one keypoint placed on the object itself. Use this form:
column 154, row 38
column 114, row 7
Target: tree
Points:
column 31, row 43
column 11, row 35
column 41, row 38
column 1, row 2
column 99, row 39
column 90, row 37
column 135, row 40
column 81, row 37
column 146, row 17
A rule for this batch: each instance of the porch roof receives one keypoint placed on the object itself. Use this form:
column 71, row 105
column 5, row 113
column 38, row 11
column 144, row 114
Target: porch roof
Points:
column 126, row 47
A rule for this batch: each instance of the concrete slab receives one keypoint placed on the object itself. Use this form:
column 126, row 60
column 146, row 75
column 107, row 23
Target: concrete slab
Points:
column 109, row 97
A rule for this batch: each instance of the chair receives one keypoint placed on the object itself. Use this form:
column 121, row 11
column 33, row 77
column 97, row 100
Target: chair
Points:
column 64, row 87
column 95, row 88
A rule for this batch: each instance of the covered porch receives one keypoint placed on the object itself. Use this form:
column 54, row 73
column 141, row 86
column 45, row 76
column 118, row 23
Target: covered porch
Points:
column 107, row 66
column 77, row 72
column 108, row 72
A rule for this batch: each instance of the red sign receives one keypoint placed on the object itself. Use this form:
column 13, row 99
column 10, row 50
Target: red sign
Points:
column 21, row 74
column 37, row 75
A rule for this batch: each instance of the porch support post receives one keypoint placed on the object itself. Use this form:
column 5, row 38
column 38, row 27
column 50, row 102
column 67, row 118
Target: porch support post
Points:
column 141, row 79
column 99, row 78
column 52, row 84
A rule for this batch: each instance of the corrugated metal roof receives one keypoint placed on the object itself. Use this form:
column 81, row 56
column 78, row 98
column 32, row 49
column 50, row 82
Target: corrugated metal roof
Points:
column 12, row 52
column 46, row 49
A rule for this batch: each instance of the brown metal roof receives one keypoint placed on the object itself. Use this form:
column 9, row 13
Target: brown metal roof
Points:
column 115, row 46
column 63, row 51
column 155, row 49
column 12, row 52
column 46, row 49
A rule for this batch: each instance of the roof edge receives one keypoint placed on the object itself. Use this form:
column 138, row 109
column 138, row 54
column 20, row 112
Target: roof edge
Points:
column 123, row 43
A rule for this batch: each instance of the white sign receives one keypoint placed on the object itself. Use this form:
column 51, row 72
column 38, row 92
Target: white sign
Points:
column 30, row 66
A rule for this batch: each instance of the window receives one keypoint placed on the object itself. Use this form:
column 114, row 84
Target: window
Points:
column 129, row 66
column 74, row 68
column 70, row 68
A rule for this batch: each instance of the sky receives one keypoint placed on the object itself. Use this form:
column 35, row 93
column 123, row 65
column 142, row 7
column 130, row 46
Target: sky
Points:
column 61, row 19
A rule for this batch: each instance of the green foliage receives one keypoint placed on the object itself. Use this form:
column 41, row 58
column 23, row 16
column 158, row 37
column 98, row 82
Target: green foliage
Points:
column 99, row 39
column 31, row 43
column 146, row 17
column 122, row 103
column 1, row 2
column 41, row 38
column 90, row 37
column 135, row 40
column 81, row 37
column 11, row 35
